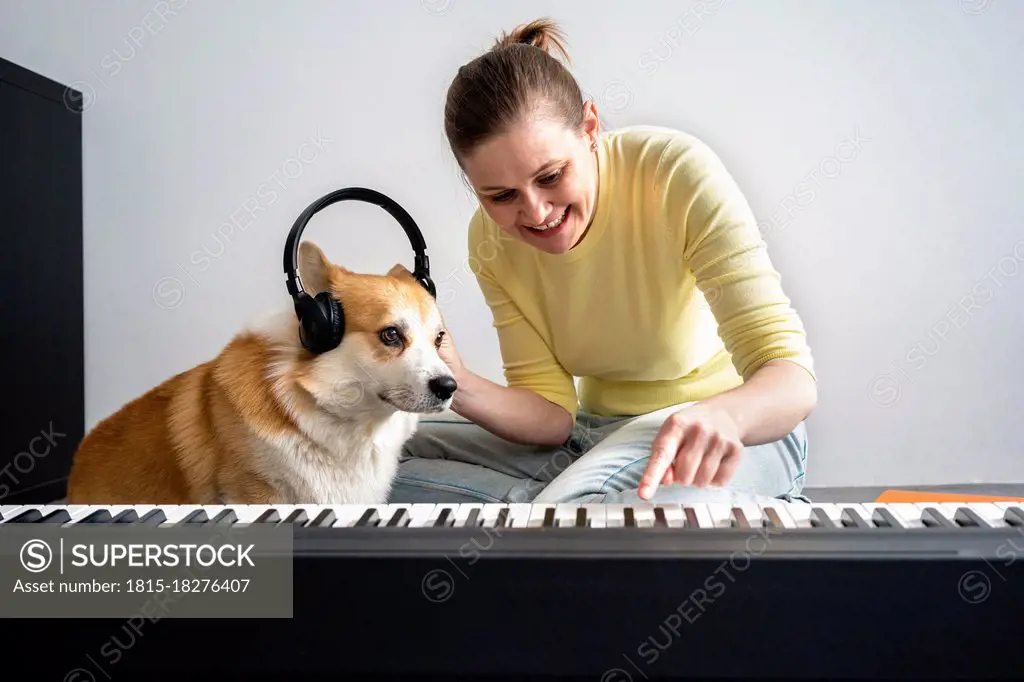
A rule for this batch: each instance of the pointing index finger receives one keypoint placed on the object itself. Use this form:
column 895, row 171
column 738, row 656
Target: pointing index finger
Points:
column 663, row 453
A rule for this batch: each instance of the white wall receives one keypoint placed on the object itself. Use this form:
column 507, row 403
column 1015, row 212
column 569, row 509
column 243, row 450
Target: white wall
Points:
column 193, row 116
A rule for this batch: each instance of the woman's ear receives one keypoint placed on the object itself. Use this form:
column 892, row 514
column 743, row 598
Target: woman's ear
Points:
column 591, row 122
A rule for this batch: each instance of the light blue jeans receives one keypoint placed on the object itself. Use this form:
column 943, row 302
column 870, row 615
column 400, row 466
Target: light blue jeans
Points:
column 601, row 462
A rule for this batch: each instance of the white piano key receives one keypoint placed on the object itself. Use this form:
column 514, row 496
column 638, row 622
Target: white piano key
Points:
column 537, row 512
column 518, row 516
column 177, row 512
column 870, row 514
column 400, row 514
column 833, row 511
column 565, row 515
column 464, row 510
column 782, row 512
column 989, row 515
column 490, row 512
column 864, row 513
column 83, row 511
column 614, row 515
column 246, row 513
column 673, row 515
column 596, row 515
column 643, row 515
column 908, row 512
column 922, row 508
column 990, row 512
column 438, row 509
column 14, row 511
column 703, row 515
column 751, row 511
column 313, row 513
column 6, row 510
column 721, row 514
column 419, row 513
column 800, row 513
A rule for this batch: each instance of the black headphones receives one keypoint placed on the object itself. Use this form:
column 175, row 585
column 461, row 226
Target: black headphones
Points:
column 321, row 318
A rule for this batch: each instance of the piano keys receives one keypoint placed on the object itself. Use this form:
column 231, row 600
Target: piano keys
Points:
column 787, row 590
column 781, row 515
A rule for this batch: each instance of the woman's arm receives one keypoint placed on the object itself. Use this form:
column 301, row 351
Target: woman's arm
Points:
column 771, row 403
column 515, row 414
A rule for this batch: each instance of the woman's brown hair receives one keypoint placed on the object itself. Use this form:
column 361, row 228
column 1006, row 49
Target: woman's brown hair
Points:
column 517, row 76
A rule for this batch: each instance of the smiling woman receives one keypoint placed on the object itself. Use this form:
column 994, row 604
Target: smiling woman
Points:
column 612, row 244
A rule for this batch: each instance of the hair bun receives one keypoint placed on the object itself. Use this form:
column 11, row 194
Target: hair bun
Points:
column 543, row 34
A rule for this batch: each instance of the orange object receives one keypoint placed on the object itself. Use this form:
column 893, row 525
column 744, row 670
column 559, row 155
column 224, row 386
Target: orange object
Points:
column 921, row 496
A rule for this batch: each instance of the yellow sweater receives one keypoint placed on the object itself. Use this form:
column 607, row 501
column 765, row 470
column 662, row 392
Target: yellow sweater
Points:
column 669, row 298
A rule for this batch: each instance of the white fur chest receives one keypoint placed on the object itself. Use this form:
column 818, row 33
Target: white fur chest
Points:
column 337, row 461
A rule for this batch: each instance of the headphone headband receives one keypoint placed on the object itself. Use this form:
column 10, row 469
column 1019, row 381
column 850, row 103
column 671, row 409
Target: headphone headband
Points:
column 421, row 269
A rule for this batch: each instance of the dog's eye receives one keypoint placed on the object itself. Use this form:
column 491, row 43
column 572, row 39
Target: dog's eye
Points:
column 439, row 339
column 390, row 336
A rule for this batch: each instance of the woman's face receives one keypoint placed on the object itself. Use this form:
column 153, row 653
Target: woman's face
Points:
column 538, row 181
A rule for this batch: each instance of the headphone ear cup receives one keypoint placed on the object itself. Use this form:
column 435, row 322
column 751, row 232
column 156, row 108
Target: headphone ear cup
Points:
column 321, row 322
column 335, row 328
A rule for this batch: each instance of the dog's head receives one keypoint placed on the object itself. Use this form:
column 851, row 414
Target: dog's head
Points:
column 388, row 357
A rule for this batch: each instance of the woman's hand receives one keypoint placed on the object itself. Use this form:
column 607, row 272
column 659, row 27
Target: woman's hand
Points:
column 450, row 354
column 698, row 445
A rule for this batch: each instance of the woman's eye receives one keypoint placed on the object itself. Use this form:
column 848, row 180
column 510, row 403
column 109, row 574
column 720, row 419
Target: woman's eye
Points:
column 551, row 179
column 504, row 196
column 390, row 336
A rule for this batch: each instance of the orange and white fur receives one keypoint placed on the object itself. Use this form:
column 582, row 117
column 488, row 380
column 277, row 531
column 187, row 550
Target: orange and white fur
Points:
column 267, row 422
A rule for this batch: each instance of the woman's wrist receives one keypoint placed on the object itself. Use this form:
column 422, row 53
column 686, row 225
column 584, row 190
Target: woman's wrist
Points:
column 465, row 382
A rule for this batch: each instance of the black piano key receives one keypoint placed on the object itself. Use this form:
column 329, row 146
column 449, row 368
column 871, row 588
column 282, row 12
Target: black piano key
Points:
column 400, row 518
column 154, row 518
column 224, row 518
column 549, row 518
column 884, row 518
column 773, row 518
column 1014, row 516
column 325, row 518
column 473, row 520
column 628, row 517
column 739, row 518
column 852, row 519
column 269, row 516
column 933, row 518
column 691, row 518
column 581, row 517
column 100, row 516
column 127, row 516
column 446, row 518
column 820, row 519
column 965, row 516
column 502, row 519
column 195, row 518
column 659, row 518
column 297, row 517
column 369, row 518
column 58, row 516
column 30, row 516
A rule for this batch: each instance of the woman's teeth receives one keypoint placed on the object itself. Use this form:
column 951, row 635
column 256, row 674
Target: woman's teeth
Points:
column 554, row 223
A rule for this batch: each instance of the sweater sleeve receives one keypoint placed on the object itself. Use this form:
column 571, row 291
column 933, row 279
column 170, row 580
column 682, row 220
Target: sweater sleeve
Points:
column 722, row 245
column 527, row 359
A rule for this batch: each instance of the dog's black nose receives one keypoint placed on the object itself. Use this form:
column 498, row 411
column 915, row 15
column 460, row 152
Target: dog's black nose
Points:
column 443, row 387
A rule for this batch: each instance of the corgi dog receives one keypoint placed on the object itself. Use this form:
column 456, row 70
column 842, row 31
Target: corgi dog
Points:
column 268, row 422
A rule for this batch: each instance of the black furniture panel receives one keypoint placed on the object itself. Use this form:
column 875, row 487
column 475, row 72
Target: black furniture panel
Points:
column 41, row 305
